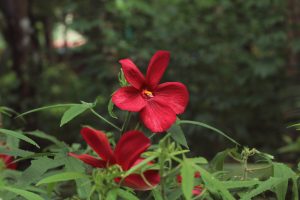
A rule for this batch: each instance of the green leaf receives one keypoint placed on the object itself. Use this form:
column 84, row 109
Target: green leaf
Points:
column 263, row 186
column 15, row 152
column 122, row 79
column 208, row 127
column 45, row 108
column 84, row 186
column 73, row 112
column 187, row 172
column 175, row 194
column 282, row 171
column 112, row 194
column 240, row 184
column 26, row 194
column 126, row 195
column 295, row 188
column 65, row 176
column 138, row 166
column 19, row 136
column 217, row 162
column 45, row 136
column 178, row 135
column 156, row 194
column 213, row 184
column 38, row 168
column 199, row 160
column 7, row 111
column 110, row 109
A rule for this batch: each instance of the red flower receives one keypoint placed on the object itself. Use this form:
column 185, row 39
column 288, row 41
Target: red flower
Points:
column 198, row 188
column 157, row 103
column 126, row 154
column 8, row 161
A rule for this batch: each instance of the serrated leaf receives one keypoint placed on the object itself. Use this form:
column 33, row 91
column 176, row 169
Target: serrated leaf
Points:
column 65, row 176
column 240, row 184
column 209, row 127
column 26, row 194
column 38, row 168
column 282, row 171
column 263, row 186
column 73, row 112
column 187, row 172
column 19, row 136
column 213, row 184
column 84, row 186
column 178, row 135
column 110, row 109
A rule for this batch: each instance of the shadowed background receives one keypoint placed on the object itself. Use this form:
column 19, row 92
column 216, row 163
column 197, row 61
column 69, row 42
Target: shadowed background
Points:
column 239, row 60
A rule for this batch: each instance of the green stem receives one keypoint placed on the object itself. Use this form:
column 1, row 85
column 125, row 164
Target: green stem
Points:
column 245, row 164
column 137, row 126
column 105, row 120
column 126, row 122
column 162, row 163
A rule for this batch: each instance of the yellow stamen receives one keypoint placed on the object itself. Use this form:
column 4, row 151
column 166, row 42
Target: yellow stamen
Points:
column 148, row 93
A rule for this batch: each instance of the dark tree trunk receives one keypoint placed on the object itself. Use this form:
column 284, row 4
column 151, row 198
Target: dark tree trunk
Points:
column 21, row 37
column 293, row 35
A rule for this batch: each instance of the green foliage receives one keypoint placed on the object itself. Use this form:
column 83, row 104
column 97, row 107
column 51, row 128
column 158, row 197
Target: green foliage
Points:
column 74, row 111
column 24, row 193
column 231, row 54
column 187, row 173
column 177, row 134
column 19, row 135
column 65, row 176
column 209, row 127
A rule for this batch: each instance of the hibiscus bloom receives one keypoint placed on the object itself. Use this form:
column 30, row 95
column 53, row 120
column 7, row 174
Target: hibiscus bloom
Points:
column 158, row 104
column 197, row 190
column 126, row 154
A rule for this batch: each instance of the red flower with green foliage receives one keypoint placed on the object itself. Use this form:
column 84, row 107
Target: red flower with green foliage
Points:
column 158, row 104
column 8, row 161
column 126, row 154
column 197, row 190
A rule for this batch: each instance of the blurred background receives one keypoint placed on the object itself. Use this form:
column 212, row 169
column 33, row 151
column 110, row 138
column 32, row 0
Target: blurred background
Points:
column 239, row 59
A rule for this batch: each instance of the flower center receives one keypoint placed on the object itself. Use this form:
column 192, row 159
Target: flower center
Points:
column 148, row 94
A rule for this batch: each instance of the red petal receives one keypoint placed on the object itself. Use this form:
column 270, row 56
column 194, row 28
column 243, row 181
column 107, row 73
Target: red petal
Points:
column 174, row 94
column 132, row 74
column 136, row 181
column 130, row 147
column 157, row 67
column 179, row 178
column 90, row 160
column 9, row 161
column 98, row 141
column 128, row 98
column 197, row 190
column 157, row 116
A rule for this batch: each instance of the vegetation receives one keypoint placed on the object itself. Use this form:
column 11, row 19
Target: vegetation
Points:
column 238, row 59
